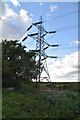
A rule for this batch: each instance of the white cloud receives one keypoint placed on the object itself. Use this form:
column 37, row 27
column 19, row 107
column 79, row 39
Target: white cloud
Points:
column 32, row 15
column 14, row 24
column 15, row 2
column 65, row 70
column 41, row 3
column 23, row 15
column 76, row 42
column 53, row 8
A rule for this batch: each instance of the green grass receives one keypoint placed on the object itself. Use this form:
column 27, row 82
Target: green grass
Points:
column 30, row 102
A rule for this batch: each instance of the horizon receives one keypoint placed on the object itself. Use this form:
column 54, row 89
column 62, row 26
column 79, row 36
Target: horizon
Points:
column 17, row 16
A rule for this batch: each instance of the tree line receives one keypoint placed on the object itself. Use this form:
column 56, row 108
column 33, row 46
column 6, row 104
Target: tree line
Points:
column 17, row 64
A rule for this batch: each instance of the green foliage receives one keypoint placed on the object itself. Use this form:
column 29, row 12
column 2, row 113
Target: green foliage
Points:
column 32, row 103
column 17, row 64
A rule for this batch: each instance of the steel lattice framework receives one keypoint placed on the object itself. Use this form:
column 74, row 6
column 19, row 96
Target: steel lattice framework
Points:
column 41, row 46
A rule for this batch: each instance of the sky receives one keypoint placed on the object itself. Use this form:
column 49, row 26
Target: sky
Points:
column 62, row 17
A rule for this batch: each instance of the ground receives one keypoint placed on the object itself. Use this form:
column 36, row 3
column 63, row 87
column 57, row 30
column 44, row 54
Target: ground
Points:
column 59, row 100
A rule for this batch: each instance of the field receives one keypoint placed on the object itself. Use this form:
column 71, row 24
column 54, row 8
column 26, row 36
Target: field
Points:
column 31, row 101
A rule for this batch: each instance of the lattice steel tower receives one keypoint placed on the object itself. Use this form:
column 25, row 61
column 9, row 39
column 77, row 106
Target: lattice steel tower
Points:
column 41, row 46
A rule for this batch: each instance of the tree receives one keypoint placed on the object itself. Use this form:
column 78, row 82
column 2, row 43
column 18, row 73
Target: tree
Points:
column 17, row 64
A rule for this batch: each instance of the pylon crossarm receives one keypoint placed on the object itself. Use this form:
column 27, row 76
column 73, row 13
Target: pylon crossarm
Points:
column 50, row 46
column 34, row 25
column 36, row 51
column 52, row 32
column 54, row 45
column 37, row 23
column 33, row 34
column 52, row 56
column 48, row 33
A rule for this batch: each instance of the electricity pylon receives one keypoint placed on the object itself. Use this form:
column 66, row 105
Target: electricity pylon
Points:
column 41, row 47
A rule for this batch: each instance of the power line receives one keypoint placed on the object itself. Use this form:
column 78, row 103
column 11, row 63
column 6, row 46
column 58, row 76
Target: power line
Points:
column 63, row 8
column 42, row 45
column 68, row 48
column 57, row 17
column 65, row 28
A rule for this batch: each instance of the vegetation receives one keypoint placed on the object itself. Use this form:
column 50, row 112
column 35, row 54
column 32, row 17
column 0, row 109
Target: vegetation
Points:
column 30, row 102
column 26, row 100
column 17, row 64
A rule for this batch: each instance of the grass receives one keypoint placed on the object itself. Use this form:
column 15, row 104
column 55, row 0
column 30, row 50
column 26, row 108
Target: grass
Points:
column 31, row 102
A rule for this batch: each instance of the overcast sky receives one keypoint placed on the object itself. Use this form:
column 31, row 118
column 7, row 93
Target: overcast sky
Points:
column 63, row 17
